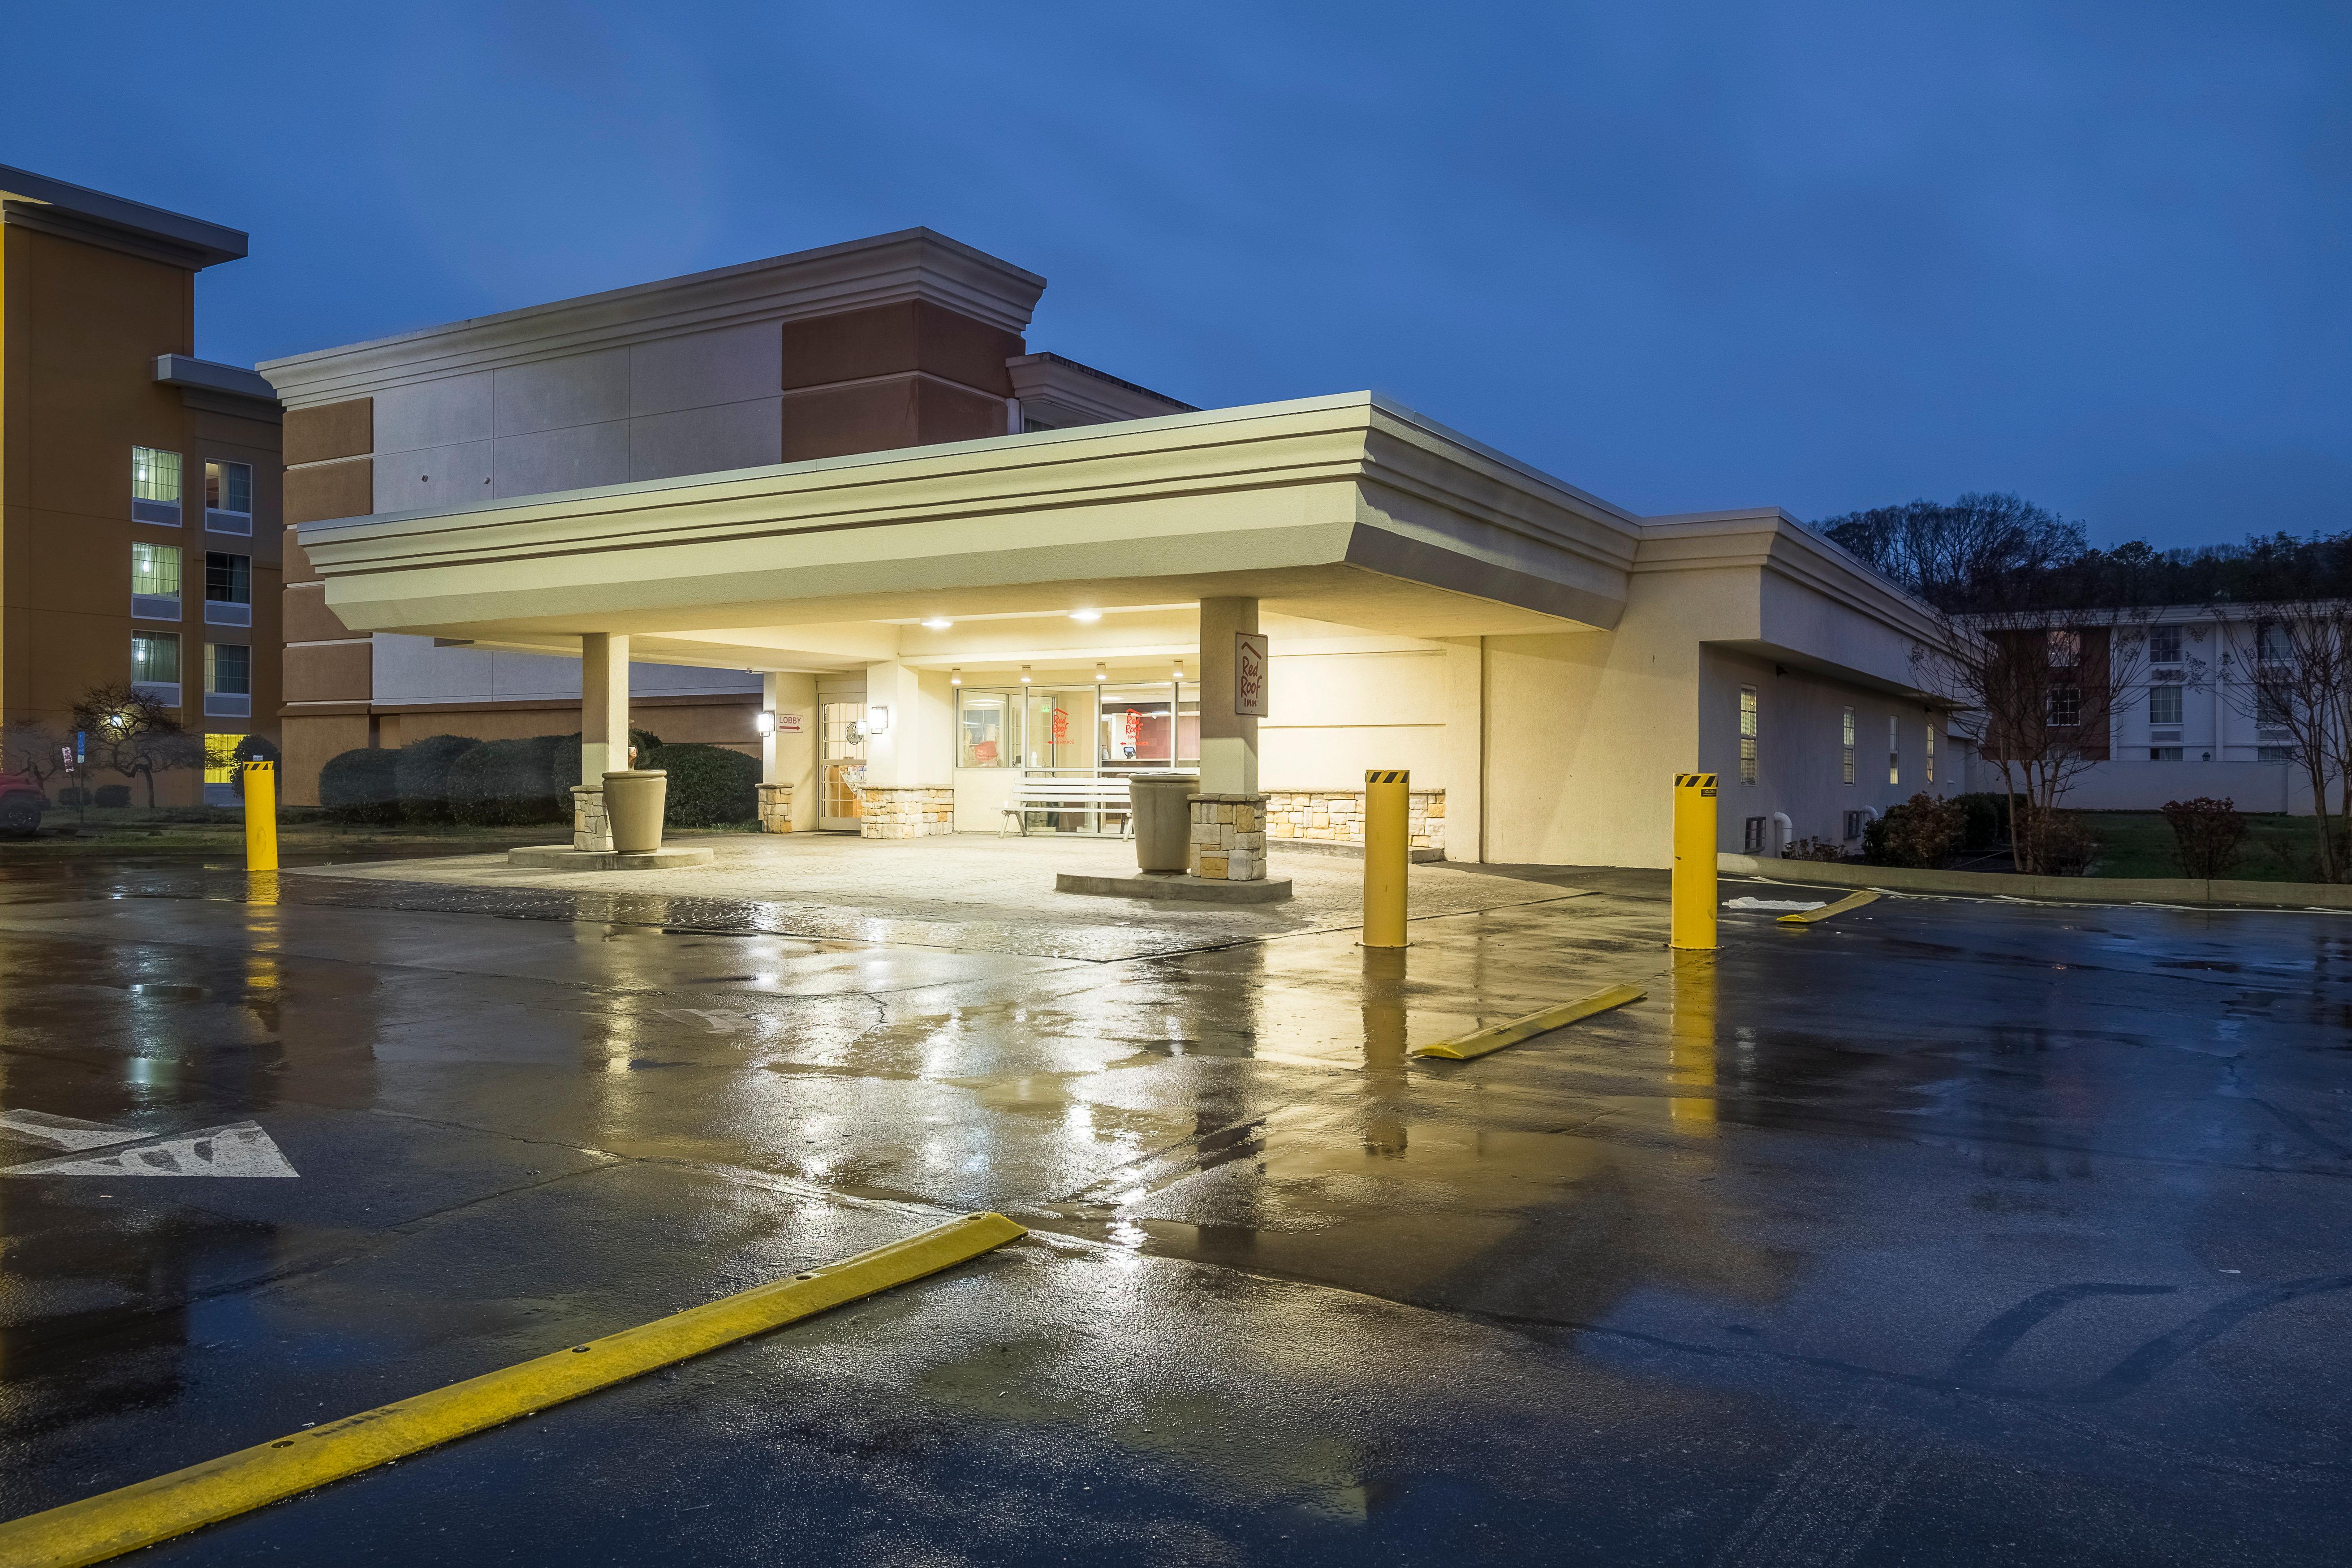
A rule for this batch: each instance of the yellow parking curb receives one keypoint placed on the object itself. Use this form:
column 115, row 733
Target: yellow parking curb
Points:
column 111, row 1523
column 1851, row 901
column 1463, row 1048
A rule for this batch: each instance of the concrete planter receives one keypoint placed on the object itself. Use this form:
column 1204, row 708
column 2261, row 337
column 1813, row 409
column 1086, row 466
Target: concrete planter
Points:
column 1162, row 815
column 633, row 807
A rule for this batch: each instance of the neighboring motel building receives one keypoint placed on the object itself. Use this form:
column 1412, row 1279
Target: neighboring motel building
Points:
column 138, row 520
column 838, row 488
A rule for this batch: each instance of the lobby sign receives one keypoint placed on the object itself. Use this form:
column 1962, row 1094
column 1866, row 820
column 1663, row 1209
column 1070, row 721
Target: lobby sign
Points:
column 790, row 724
column 1249, row 675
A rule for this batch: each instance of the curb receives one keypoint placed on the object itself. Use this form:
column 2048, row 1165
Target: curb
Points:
column 2049, row 890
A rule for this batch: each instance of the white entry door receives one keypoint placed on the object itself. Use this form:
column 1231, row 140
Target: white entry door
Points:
column 842, row 764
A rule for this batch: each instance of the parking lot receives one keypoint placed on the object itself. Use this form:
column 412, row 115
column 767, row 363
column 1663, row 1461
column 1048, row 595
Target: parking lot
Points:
column 1942, row 1232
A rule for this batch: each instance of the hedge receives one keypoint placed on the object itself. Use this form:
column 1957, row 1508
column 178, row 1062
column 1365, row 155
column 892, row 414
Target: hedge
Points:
column 357, row 787
column 421, row 776
column 508, row 783
column 709, row 787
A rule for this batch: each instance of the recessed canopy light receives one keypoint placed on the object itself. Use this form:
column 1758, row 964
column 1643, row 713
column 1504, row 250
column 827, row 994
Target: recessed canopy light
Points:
column 955, row 676
column 1024, row 674
column 1100, row 673
column 1086, row 616
column 937, row 624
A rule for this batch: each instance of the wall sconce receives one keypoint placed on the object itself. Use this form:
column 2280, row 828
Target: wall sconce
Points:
column 1100, row 673
column 955, row 676
column 1024, row 674
column 766, row 723
column 877, row 720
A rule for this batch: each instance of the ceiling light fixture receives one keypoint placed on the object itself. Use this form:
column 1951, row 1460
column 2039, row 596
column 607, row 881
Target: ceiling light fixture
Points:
column 1180, row 672
column 1100, row 673
column 1024, row 674
column 936, row 623
column 1085, row 617
column 955, row 676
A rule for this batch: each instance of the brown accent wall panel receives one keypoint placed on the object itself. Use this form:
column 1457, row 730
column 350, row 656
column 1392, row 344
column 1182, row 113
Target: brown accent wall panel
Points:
column 944, row 413
column 329, row 672
column 297, row 568
column 311, row 740
column 345, row 488
column 888, row 339
column 879, row 416
column 330, row 430
column 308, row 619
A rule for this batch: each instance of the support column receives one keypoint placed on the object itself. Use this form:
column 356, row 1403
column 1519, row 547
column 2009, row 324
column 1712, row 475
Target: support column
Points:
column 1228, row 740
column 788, row 797
column 603, row 706
column 908, row 790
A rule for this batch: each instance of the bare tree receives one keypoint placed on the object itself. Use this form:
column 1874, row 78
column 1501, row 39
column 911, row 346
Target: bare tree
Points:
column 2043, row 688
column 1974, row 554
column 33, row 749
column 135, row 735
column 2287, row 665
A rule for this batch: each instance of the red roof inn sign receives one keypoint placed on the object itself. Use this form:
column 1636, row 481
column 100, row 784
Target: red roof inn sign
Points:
column 1249, row 675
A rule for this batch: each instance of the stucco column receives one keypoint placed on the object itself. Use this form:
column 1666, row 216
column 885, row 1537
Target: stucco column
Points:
column 604, row 705
column 1228, row 741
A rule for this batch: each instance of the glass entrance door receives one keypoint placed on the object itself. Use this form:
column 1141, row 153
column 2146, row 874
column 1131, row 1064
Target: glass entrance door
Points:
column 843, row 765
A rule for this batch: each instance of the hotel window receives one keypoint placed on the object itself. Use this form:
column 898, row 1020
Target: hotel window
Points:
column 2066, row 650
column 1848, row 733
column 2164, row 705
column 2164, row 645
column 1931, row 751
column 2273, row 753
column 2164, row 753
column 2274, row 705
column 155, row 572
column 229, row 498
column 1894, row 749
column 220, row 758
column 155, row 657
column 155, row 486
column 1748, row 734
column 228, row 669
column 2066, row 705
column 1751, row 837
column 2272, row 643
column 228, row 589
column 988, row 728
column 1854, row 823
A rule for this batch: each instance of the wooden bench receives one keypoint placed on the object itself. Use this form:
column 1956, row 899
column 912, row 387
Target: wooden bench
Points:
column 1068, row 795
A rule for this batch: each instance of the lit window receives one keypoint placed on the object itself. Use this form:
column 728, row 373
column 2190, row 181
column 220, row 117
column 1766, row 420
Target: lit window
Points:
column 2066, row 650
column 989, row 727
column 1931, row 751
column 154, row 475
column 228, row 669
column 228, row 487
column 155, row 569
column 1748, row 734
column 1751, row 838
column 1894, row 749
column 228, row 579
column 220, row 758
column 2164, row 645
column 2066, row 705
column 155, row 656
column 2164, row 705
column 1848, row 733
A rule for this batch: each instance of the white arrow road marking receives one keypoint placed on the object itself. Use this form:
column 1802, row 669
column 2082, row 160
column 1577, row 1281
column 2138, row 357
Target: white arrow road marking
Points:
column 712, row 1021
column 238, row 1148
column 63, row 1132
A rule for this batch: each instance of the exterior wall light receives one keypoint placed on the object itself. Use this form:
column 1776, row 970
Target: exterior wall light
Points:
column 1024, row 674
column 1100, row 673
column 877, row 720
column 937, row 624
column 1085, row 617
column 766, row 723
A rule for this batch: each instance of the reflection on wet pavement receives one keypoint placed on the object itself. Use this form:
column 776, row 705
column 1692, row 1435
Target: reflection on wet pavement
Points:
column 1948, row 1232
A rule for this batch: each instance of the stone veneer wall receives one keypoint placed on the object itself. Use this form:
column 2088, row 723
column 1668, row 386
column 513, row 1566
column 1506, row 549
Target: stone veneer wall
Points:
column 1229, row 837
column 776, row 808
column 1339, row 815
column 589, row 829
column 908, row 811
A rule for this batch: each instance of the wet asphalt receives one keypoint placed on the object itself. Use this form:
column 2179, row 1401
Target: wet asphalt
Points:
column 1942, row 1233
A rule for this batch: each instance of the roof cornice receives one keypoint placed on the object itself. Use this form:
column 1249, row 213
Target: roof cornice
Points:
column 914, row 264
column 76, row 212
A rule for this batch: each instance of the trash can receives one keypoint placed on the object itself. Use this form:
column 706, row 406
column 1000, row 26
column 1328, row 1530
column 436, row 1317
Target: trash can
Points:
column 1163, row 808
column 633, row 807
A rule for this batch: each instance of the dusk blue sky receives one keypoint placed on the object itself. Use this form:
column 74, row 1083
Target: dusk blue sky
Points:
column 1686, row 256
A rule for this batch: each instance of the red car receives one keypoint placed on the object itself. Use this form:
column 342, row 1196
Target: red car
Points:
column 21, row 804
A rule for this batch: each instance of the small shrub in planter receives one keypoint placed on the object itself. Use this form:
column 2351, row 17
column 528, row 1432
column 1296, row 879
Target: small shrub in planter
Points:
column 114, row 795
column 1923, row 831
column 2206, row 833
column 506, row 783
column 356, row 786
column 421, row 776
column 709, row 787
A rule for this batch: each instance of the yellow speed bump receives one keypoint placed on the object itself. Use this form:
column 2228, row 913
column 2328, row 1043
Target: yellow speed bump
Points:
column 111, row 1523
column 1851, row 901
column 1463, row 1048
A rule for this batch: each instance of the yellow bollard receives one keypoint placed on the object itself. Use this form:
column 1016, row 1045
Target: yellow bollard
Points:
column 1387, row 833
column 261, row 816
column 1693, row 924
